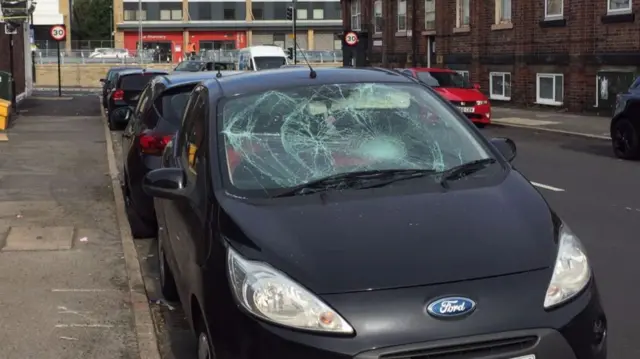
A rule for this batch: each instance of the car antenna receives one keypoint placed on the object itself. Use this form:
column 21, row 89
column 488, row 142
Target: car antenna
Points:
column 312, row 72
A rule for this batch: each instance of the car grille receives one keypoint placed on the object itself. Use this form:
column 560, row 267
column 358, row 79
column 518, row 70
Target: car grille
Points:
column 468, row 350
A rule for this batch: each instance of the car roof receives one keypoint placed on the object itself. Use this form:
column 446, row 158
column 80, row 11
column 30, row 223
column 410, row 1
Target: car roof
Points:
column 182, row 78
column 140, row 70
column 114, row 69
column 429, row 69
column 257, row 81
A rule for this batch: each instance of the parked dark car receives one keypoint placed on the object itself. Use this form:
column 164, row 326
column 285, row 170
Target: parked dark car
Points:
column 197, row 65
column 625, row 124
column 151, row 125
column 126, row 90
column 318, row 215
column 107, row 81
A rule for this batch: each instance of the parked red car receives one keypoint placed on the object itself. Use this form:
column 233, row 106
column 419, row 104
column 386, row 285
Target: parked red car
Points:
column 457, row 89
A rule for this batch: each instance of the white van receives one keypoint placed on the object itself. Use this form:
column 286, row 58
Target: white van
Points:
column 256, row 58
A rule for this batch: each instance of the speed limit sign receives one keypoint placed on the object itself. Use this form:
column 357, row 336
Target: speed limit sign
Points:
column 58, row 32
column 351, row 38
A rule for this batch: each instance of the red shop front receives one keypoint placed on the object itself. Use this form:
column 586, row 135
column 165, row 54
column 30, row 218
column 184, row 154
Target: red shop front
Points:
column 217, row 40
column 169, row 44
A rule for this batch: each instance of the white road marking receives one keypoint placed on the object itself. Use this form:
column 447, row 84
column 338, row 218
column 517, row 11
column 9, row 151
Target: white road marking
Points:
column 79, row 290
column 68, row 338
column 547, row 187
column 523, row 121
column 83, row 326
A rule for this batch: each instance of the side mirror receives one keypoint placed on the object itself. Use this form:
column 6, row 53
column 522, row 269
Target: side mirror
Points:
column 165, row 183
column 476, row 86
column 506, row 146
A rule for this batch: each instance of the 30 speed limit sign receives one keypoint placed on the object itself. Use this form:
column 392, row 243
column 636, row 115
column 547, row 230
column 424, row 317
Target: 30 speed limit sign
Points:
column 58, row 32
column 351, row 38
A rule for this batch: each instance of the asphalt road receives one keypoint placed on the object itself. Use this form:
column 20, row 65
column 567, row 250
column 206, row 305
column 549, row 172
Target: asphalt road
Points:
column 597, row 195
column 591, row 190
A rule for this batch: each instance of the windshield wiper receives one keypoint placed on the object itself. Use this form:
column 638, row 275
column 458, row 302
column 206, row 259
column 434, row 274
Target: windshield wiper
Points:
column 351, row 179
column 464, row 169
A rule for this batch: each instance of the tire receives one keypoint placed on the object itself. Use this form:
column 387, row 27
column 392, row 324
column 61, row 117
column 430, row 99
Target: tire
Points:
column 167, row 280
column 625, row 139
column 112, row 125
column 139, row 227
column 204, row 347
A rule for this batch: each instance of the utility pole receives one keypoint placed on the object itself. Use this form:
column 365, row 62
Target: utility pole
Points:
column 140, row 32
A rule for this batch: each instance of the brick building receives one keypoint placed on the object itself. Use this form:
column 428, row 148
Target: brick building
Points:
column 574, row 54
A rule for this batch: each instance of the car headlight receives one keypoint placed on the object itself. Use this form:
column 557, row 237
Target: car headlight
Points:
column 272, row 296
column 483, row 102
column 571, row 272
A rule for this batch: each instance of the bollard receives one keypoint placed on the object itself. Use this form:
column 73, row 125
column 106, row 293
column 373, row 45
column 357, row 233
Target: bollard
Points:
column 5, row 112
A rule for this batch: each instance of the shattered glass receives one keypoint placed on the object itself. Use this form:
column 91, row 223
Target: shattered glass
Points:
column 281, row 139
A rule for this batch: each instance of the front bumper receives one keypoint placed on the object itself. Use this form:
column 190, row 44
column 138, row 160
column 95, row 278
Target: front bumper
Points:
column 392, row 324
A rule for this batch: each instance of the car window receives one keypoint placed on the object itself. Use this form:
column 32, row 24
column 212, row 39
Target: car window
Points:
column 281, row 139
column 444, row 79
column 635, row 85
column 266, row 62
column 136, row 82
column 169, row 108
column 192, row 131
column 144, row 101
column 189, row 66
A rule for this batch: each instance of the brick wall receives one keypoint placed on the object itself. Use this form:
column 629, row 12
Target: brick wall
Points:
column 582, row 44
column 18, row 57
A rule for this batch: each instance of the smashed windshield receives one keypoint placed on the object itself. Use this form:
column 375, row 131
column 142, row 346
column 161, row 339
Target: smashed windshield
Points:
column 444, row 79
column 285, row 138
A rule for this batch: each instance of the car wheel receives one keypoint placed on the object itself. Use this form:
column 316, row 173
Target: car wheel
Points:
column 139, row 227
column 625, row 139
column 167, row 281
column 112, row 125
column 205, row 348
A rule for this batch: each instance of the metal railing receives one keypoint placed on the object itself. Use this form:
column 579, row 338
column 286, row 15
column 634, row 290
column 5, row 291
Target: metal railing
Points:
column 121, row 56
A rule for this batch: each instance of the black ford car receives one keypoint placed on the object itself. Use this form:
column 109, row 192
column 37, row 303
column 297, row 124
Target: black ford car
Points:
column 127, row 87
column 323, row 214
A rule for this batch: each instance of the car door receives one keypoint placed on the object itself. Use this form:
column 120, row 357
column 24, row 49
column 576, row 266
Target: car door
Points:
column 135, row 119
column 187, row 216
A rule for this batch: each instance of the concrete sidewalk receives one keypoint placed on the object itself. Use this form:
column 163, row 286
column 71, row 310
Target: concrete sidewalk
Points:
column 560, row 122
column 65, row 270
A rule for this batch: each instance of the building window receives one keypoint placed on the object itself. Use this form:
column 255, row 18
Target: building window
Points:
column 429, row 14
column 402, row 15
column 550, row 89
column 219, row 11
column 464, row 73
column 258, row 14
column 171, row 15
column 318, row 14
column 377, row 16
column 132, row 15
column 553, row 8
column 462, row 13
column 229, row 14
column 500, row 86
column 355, row 15
column 614, row 6
column 503, row 11
column 301, row 14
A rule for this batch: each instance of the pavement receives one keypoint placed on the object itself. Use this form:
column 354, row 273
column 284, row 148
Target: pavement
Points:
column 70, row 282
column 596, row 127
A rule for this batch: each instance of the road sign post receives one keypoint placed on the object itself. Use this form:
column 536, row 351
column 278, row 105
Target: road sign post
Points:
column 58, row 34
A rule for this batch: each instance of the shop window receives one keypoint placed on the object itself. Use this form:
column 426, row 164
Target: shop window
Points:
column 550, row 89
column 500, row 86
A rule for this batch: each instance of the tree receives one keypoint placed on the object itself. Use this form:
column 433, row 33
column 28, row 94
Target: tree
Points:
column 92, row 19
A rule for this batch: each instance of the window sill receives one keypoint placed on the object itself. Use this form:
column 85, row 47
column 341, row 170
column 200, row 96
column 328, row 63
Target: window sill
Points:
column 617, row 17
column 502, row 26
column 499, row 98
column 401, row 33
column 553, row 22
column 547, row 102
column 460, row 30
column 429, row 32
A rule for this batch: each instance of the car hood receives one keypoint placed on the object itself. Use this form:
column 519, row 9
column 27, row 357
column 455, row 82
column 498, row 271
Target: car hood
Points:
column 458, row 94
column 383, row 242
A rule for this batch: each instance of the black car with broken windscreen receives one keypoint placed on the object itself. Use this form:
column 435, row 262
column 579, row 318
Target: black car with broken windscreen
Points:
column 127, row 87
column 325, row 215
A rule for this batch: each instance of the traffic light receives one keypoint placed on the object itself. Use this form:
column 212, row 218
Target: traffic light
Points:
column 290, row 53
column 290, row 13
column 15, row 11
